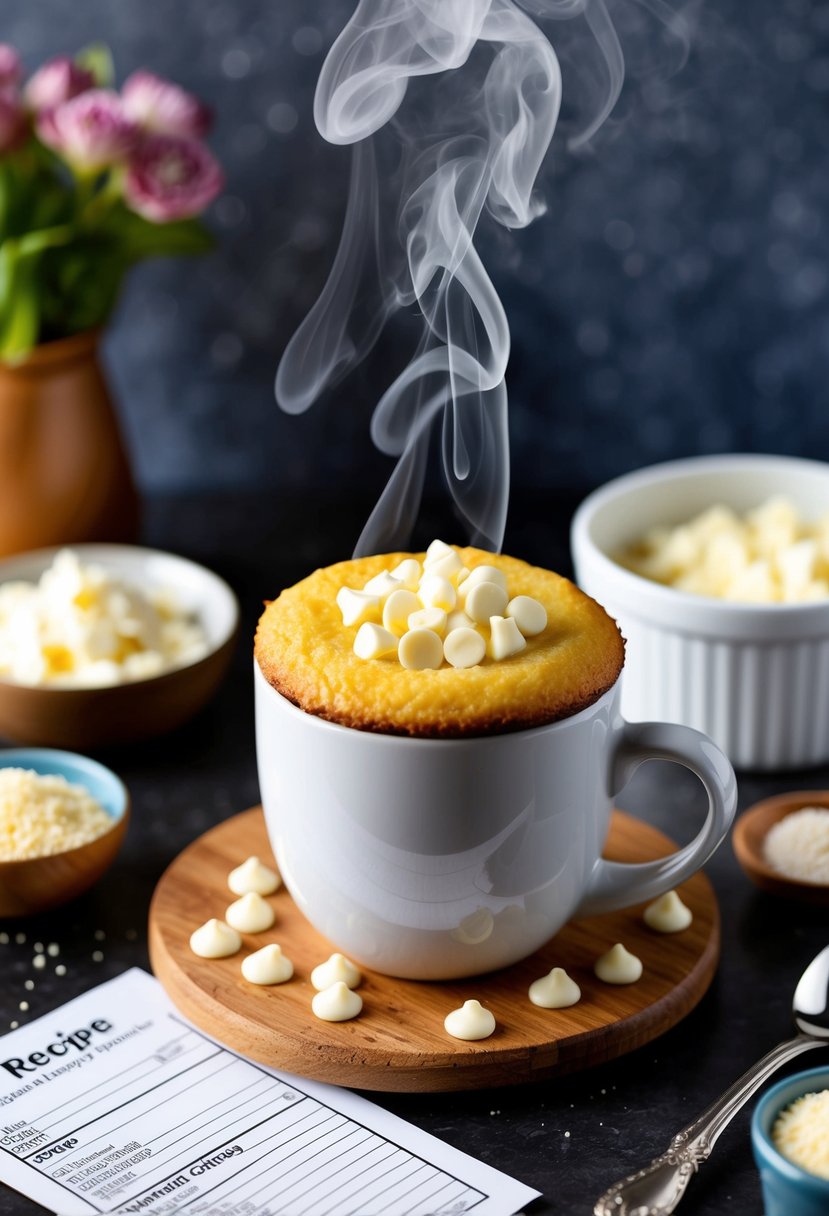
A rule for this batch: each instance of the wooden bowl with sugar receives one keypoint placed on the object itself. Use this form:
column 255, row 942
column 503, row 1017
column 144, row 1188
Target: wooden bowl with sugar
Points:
column 749, row 838
column 35, row 884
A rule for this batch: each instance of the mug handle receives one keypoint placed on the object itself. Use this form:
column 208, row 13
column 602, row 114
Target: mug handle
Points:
column 614, row 884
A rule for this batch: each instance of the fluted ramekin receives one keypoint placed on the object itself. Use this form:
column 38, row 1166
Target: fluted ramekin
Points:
column 755, row 678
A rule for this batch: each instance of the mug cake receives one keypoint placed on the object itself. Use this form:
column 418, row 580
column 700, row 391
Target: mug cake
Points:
column 546, row 650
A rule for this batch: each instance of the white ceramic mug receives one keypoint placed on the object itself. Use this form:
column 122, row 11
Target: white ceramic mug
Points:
column 441, row 858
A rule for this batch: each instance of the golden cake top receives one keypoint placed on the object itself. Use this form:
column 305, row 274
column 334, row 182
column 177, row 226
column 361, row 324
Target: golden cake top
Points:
column 306, row 652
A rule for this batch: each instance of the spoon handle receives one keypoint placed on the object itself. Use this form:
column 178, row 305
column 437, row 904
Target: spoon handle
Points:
column 657, row 1189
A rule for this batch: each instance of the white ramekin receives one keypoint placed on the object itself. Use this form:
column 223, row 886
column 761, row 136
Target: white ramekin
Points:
column 753, row 677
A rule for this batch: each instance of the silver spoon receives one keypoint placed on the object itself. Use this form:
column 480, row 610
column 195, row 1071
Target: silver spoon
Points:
column 657, row 1189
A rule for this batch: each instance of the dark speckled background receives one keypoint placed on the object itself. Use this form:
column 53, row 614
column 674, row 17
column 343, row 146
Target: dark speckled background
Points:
column 674, row 300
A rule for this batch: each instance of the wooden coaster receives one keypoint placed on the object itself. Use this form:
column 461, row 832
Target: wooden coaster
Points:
column 398, row 1041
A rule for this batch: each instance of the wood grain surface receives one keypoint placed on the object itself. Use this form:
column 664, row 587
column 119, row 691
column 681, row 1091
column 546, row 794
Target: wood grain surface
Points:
column 398, row 1042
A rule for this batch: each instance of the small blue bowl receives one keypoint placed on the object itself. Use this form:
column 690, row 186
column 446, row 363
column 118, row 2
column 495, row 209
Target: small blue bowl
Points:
column 34, row 884
column 788, row 1190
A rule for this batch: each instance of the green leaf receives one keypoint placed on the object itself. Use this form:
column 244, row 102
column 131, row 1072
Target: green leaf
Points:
column 97, row 59
column 19, row 302
column 139, row 238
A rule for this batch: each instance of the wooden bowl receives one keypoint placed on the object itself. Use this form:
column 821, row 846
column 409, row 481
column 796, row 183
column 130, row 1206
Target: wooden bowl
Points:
column 749, row 835
column 85, row 718
column 38, row 883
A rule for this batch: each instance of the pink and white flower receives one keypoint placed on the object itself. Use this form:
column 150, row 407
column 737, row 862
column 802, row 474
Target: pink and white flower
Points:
column 163, row 107
column 57, row 81
column 11, row 68
column 90, row 131
column 171, row 178
column 14, row 126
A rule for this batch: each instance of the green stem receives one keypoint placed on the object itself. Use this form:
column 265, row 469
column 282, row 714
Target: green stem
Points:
column 97, row 207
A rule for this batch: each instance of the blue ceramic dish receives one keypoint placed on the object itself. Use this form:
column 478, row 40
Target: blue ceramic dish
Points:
column 788, row 1190
column 34, row 884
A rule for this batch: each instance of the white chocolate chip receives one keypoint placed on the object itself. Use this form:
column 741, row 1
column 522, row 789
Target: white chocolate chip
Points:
column 470, row 1022
column 668, row 914
column 446, row 566
column 253, row 875
column 459, row 620
column 215, row 939
column 475, row 928
column 267, row 966
column 485, row 600
column 250, row 914
column 429, row 618
column 373, row 641
column 337, row 1003
column 409, row 572
column 461, row 576
column 555, row 991
column 618, row 966
column 437, row 592
column 357, row 606
column 485, row 574
column 382, row 584
column 337, row 969
column 437, row 549
column 505, row 637
column 398, row 608
column 420, row 649
column 464, row 648
column 529, row 615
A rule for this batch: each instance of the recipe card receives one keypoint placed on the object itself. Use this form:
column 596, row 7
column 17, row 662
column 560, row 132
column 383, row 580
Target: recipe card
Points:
column 115, row 1103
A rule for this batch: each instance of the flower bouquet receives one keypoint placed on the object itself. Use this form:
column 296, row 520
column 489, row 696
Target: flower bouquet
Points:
column 91, row 182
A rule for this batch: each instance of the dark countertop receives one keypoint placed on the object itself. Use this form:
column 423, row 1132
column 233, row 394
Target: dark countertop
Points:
column 618, row 1115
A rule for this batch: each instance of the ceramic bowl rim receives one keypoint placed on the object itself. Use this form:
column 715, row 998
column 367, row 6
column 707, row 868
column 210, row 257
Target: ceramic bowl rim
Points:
column 762, row 1141
column 215, row 646
column 646, row 591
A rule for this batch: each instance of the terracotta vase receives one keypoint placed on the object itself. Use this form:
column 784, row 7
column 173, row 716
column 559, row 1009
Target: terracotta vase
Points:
column 64, row 474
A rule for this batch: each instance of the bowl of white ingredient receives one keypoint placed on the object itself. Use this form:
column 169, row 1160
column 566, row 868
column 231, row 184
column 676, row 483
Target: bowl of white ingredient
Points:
column 63, row 818
column 726, row 613
column 106, row 644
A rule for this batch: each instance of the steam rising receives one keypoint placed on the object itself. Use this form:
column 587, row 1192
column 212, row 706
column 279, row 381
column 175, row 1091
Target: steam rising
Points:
column 494, row 130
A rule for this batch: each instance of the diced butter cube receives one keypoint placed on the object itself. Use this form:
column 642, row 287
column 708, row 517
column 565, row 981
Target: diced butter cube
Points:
column 796, row 567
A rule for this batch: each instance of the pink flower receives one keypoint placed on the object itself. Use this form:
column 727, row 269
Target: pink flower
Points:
column 90, row 131
column 57, row 81
column 160, row 106
column 10, row 66
column 14, row 127
column 170, row 178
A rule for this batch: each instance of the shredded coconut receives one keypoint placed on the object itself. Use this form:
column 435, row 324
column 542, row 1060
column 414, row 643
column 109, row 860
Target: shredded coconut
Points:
column 798, row 846
column 82, row 627
column 42, row 815
column 801, row 1133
